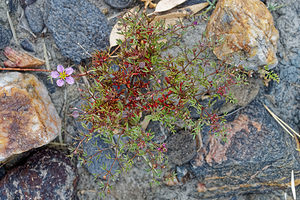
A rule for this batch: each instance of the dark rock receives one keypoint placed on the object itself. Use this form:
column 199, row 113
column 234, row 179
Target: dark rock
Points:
column 27, row 46
column 5, row 36
column 77, row 24
column 159, row 130
column 181, row 147
column 12, row 5
column 119, row 4
column 25, row 3
column 34, row 14
column 48, row 174
column 253, row 160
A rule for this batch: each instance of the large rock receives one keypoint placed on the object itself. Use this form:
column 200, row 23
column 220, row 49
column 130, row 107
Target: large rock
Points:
column 28, row 119
column 79, row 28
column 258, row 157
column 48, row 174
column 247, row 33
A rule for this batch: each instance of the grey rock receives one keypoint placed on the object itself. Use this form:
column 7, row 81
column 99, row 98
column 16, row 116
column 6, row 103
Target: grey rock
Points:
column 119, row 4
column 27, row 45
column 96, row 165
column 181, row 147
column 159, row 130
column 91, row 149
column 12, row 5
column 47, row 174
column 25, row 3
column 34, row 14
column 77, row 24
column 5, row 36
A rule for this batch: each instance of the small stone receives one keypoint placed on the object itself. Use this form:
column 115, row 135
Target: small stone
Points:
column 95, row 158
column 246, row 32
column 78, row 29
column 12, row 5
column 159, row 131
column 34, row 15
column 25, row 3
column 28, row 119
column 48, row 174
column 5, row 36
column 27, row 46
column 181, row 147
column 119, row 4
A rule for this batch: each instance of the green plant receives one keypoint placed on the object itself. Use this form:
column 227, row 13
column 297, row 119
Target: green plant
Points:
column 136, row 81
column 268, row 75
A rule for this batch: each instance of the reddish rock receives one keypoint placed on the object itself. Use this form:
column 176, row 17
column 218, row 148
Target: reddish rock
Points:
column 247, row 33
column 28, row 119
column 48, row 174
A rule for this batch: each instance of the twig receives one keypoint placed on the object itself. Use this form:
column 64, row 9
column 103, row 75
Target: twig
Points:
column 12, row 28
column 24, row 69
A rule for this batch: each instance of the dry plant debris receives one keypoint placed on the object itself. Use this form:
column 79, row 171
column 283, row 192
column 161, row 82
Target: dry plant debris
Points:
column 20, row 59
column 165, row 5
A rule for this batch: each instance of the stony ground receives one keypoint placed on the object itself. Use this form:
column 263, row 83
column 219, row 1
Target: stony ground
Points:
column 64, row 32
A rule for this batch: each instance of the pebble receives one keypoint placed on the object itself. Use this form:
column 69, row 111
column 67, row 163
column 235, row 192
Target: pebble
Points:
column 34, row 16
column 27, row 45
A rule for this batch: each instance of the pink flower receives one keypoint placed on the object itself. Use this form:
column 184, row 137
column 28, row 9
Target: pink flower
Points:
column 63, row 74
column 162, row 148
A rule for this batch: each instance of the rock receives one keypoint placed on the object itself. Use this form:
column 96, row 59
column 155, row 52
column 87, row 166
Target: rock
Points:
column 12, row 5
column 28, row 119
column 48, row 174
column 5, row 36
column 98, row 160
column 25, row 3
column 21, row 59
column 244, row 94
column 27, row 46
column 159, row 130
column 247, row 31
column 91, row 149
column 181, row 147
column 77, row 28
column 119, row 4
column 34, row 14
column 258, row 157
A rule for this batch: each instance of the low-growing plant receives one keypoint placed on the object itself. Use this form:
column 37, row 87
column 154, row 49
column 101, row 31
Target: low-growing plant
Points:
column 135, row 82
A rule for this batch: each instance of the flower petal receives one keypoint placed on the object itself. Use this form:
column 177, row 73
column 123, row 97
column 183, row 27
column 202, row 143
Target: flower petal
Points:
column 60, row 68
column 69, row 70
column 60, row 82
column 54, row 74
column 70, row 80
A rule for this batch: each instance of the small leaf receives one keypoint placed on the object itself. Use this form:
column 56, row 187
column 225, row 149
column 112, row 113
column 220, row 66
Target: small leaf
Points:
column 165, row 5
column 20, row 59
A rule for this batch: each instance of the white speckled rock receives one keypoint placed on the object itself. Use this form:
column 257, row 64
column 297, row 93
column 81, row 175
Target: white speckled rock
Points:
column 28, row 119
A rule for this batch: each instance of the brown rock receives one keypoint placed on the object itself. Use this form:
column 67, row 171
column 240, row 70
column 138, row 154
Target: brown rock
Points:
column 247, row 31
column 28, row 119
column 20, row 59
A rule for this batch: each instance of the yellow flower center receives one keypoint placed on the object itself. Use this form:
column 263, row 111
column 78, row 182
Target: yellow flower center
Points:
column 63, row 75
